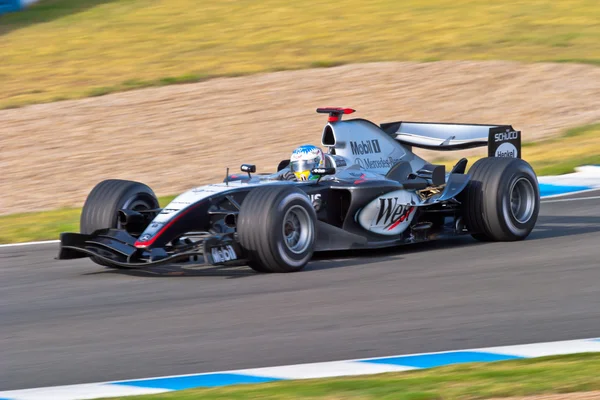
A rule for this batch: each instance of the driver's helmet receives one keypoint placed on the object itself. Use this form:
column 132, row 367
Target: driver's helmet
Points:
column 304, row 159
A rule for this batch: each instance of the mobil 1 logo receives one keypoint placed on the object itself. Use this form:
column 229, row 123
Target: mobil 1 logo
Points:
column 222, row 254
column 504, row 141
column 365, row 147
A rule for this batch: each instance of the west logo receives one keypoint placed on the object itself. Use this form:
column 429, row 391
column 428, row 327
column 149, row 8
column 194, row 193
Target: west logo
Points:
column 391, row 214
column 365, row 147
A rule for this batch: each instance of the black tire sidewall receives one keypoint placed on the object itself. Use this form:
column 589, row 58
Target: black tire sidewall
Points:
column 487, row 209
column 260, row 228
column 108, row 197
column 285, row 201
column 507, row 222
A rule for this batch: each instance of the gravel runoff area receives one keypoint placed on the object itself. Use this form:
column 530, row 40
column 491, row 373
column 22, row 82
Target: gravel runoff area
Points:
column 177, row 137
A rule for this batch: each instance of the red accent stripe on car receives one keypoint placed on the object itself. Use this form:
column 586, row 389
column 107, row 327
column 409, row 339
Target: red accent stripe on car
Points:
column 401, row 219
column 361, row 179
column 142, row 245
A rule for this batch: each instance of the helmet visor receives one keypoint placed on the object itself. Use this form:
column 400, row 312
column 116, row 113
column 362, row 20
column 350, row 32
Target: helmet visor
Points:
column 304, row 165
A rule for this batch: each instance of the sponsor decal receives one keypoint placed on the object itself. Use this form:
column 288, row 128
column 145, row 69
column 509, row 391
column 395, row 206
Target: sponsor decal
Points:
column 508, row 135
column 222, row 254
column 504, row 142
column 368, row 163
column 391, row 214
column 365, row 147
column 169, row 210
column 206, row 190
column 145, row 237
column 361, row 179
column 506, row 150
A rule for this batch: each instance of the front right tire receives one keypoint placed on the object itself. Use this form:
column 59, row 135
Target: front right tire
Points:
column 277, row 226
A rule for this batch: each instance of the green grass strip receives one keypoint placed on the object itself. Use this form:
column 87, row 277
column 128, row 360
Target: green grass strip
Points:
column 95, row 47
column 557, row 374
column 44, row 225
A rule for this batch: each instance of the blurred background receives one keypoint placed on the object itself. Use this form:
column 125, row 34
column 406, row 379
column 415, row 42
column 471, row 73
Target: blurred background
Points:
column 171, row 92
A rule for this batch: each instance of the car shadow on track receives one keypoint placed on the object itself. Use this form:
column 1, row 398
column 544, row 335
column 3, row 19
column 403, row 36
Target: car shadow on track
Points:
column 376, row 255
column 242, row 271
column 559, row 226
column 546, row 228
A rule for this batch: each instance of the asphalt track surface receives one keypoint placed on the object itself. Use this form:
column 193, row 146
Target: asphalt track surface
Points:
column 67, row 322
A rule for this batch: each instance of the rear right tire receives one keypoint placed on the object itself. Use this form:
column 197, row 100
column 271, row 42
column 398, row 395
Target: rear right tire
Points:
column 502, row 199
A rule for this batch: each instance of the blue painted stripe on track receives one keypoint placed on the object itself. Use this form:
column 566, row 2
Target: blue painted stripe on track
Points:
column 441, row 359
column 195, row 381
column 547, row 189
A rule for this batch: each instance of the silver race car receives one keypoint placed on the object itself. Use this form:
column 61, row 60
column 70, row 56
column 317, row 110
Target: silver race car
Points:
column 367, row 190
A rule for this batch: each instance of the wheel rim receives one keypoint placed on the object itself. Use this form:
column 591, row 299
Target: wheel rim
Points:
column 522, row 200
column 297, row 229
column 137, row 203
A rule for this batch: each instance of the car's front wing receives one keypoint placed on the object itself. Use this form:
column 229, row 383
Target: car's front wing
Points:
column 117, row 248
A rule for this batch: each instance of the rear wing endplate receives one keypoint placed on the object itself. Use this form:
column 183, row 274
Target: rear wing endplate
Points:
column 501, row 140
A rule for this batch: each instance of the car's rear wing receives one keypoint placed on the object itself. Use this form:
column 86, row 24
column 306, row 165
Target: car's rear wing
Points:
column 501, row 140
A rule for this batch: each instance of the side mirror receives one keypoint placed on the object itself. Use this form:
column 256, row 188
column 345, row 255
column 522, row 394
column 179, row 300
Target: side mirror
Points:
column 322, row 171
column 249, row 168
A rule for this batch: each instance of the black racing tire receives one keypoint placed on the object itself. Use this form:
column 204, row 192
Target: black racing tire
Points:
column 267, row 215
column 106, row 199
column 502, row 200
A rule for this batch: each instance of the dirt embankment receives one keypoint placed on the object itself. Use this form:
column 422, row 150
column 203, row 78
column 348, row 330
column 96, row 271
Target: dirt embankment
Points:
column 177, row 137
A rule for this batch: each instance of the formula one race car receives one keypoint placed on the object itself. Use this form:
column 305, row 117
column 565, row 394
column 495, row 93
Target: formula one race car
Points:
column 368, row 191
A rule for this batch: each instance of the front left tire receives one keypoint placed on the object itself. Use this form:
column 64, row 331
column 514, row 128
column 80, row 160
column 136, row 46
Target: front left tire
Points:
column 100, row 210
